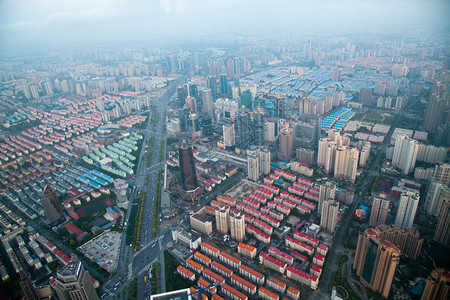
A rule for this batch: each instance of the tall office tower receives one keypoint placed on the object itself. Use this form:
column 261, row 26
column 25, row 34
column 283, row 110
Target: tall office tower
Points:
column 206, row 125
column 327, row 191
column 228, row 136
column 173, row 62
column 181, row 96
column 405, row 153
column 246, row 99
column 237, row 226
column 365, row 97
column 364, row 152
column 243, row 135
column 183, row 116
column 193, row 92
column 329, row 215
column 442, row 232
column 286, row 138
column 50, row 203
column 406, row 211
column 265, row 160
column 208, row 105
column 376, row 261
column 73, row 282
column 187, row 166
column 346, row 163
column 437, row 285
column 223, row 84
column 272, row 130
column 222, row 216
column 253, row 164
column 380, row 208
column 258, row 123
column 279, row 107
column 230, row 68
column 194, row 125
column 325, row 154
column 433, row 114
column 191, row 102
column 438, row 193
column 442, row 174
column 211, row 83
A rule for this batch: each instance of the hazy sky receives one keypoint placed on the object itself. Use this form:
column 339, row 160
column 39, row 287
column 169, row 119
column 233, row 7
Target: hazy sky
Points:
column 31, row 24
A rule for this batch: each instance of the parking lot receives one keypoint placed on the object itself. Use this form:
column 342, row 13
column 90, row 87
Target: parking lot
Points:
column 103, row 249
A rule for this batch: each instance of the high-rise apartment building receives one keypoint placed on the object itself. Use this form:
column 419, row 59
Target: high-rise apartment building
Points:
column 253, row 164
column 442, row 232
column 407, row 240
column 52, row 207
column 376, row 261
column 405, row 153
column 346, row 163
column 305, row 155
column 407, row 208
column 442, row 174
column 73, row 282
column 327, row 191
column 329, row 215
column 222, row 219
column 272, row 130
column 237, row 226
column 265, row 160
column 380, row 208
column 325, row 154
column 364, row 152
column 187, row 167
column 438, row 193
column 437, row 285
column 286, row 138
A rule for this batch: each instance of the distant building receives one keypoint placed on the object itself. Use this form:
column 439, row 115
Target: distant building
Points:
column 52, row 207
column 376, row 261
column 73, row 282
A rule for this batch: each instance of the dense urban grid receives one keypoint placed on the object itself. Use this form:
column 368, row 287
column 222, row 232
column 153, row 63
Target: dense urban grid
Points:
column 255, row 167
